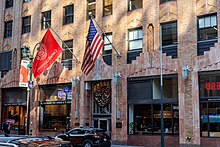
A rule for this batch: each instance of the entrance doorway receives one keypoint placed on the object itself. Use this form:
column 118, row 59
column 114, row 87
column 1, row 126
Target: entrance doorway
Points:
column 103, row 123
column 15, row 115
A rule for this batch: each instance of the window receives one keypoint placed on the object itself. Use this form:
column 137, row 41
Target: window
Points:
column 68, row 14
column 9, row 3
column 107, row 49
column 209, row 86
column 46, row 19
column 135, row 39
column 145, row 119
column 25, row 1
column 169, row 33
column 144, row 107
column 164, row 1
column 26, row 24
column 134, row 4
column 67, row 52
column 6, row 62
column 8, row 29
column 54, row 109
column 107, row 7
column 91, row 8
column 207, row 27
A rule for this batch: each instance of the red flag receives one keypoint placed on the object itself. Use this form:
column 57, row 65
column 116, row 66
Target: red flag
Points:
column 94, row 44
column 47, row 53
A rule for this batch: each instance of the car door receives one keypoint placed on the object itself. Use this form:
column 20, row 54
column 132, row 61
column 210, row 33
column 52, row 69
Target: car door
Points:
column 76, row 136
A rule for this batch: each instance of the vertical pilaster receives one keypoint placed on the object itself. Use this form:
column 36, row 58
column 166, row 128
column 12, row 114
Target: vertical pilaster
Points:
column 187, row 49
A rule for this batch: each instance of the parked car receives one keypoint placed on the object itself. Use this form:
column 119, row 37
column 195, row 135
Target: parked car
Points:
column 86, row 137
column 32, row 141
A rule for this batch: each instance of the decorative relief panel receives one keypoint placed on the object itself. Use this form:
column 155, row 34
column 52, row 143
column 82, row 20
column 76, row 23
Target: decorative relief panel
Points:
column 67, row 2
column 206, row 6
column 7, row 44
column 168, row 12
column 150, row 38
column 135, row 19
column 8, row 16
column 46, row 5
column 66, row 34
column 25, row 10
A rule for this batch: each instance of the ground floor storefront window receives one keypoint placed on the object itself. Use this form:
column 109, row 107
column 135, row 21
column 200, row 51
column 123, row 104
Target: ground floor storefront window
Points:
column 144, row 105
column 14, row 109
column 209, row 86
column 55, row 108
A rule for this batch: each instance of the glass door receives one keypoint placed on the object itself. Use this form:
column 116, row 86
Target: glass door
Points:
column 103, row 123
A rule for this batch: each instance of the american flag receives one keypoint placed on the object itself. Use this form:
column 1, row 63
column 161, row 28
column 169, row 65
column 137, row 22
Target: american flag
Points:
column 94, row 44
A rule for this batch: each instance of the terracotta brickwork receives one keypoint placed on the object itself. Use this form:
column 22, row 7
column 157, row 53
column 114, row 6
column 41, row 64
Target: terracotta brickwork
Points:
column 153, row 13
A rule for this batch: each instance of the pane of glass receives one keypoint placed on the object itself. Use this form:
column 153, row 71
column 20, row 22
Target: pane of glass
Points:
column 140, row 34
column 131, row 35
column 109, row 37
column 201, row 23
column 204, row 119
column 213, row 21
column 135, row 4
column 54, row 117
column 175, row 119
column 207, row 22
column 137, row 44
column 214, row 119
column 107, row 47
column 167, row 115
column 207, row 34
column 142, row 122
column 135, row 34
column 156, row 121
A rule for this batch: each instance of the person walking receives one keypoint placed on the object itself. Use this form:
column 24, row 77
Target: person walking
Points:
column 6, row 127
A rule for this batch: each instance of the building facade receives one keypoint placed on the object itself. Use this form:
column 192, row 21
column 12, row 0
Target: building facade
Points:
column 122, row 94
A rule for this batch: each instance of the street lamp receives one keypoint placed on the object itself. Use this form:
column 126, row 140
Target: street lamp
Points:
column 66, row 91
column 28, row 55
column 161, row 90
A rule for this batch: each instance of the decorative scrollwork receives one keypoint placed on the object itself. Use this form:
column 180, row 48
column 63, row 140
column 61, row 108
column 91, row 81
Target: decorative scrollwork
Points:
column 102, row 92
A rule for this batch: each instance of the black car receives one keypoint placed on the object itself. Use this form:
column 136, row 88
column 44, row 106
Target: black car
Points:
column 86, row 137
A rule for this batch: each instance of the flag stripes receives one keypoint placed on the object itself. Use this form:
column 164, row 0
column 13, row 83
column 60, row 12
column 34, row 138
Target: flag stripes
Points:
column 94, row 44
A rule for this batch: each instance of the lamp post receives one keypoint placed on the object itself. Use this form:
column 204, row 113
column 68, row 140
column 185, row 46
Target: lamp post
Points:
column 31, row 56
column 66, row 91
column 161, row 91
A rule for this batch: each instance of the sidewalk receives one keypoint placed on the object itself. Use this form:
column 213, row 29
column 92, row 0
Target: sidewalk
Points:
column 124, row 146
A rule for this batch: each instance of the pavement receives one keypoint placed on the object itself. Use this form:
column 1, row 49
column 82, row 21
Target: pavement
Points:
column 124, row 146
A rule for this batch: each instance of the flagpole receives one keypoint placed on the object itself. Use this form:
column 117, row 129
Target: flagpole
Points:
column 63, row 42
column 118, row 54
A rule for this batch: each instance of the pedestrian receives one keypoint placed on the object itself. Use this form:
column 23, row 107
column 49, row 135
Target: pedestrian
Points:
column 6, row 127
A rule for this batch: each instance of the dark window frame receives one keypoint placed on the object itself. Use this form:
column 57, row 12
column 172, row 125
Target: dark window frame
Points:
column 8, row 29
column 8, row 4
column 165, row 1
column 210, row 27
column 132, row 6
column 172, row 35
column 68, row 16
column 136, row 39
column 92, row 10
column 107, row 7
column 26, row 1
column 107, row 43
column 47, row 16
column 26, row 24
column 68, row 43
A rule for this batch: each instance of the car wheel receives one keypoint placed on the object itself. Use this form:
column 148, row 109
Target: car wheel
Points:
column 87, row 144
